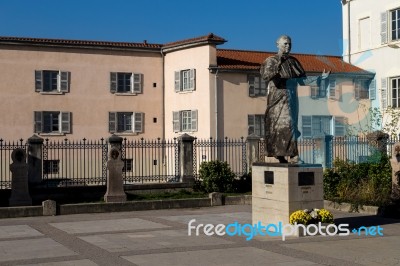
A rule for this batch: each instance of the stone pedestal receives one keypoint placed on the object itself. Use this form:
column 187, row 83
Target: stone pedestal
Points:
column 280, row 189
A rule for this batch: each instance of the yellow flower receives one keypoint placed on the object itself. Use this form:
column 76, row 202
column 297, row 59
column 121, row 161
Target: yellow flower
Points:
column 300, row 217
column 325, row 216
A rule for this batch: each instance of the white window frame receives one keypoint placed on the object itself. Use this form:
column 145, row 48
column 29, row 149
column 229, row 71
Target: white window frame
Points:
column 63, row 81
column 62, row 125
column 394, row 85
column 136, row 122
column 336, row 124
column 396, row 31
column 134, row 84
column 256, row 85
column 185, row 80
column 185, row 121
column 362, row 89
column 387, row 28
column 256, row 125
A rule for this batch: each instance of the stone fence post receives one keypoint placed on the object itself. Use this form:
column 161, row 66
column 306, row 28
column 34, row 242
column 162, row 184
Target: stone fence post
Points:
column 115, row 183
column 328, row 151
column 186, row 158
column 253, row 150
column 19, row 180
column 35, row 159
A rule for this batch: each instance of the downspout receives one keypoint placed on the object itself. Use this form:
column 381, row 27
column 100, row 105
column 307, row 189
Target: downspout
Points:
column 216, row 102
column 163, row 93
column 348, row 29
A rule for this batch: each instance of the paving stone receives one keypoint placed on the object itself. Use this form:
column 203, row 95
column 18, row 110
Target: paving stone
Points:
column 16, row 231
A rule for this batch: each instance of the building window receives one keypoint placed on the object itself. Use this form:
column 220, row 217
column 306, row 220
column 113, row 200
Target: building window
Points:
column 319, row 90
column 125, row 122
column 51, row 166
column 257, row 86
column 50, row 81
column 185, row 121
column 256, row 125
column 128, row 165
column 395, row 88
column 125, row 82
column 395, row 24
column 317, row 126
column 361, row 88
column 185, row 80
column 52, row 122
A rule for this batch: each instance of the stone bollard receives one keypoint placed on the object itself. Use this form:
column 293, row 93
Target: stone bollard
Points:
column 115, row 187
column 216, row 198
column 19, row 182
column 49, row 208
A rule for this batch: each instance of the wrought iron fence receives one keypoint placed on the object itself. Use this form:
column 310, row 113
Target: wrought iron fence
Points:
column 232, row 151
column 149, row 161
column 74, row 163
column 6, row 148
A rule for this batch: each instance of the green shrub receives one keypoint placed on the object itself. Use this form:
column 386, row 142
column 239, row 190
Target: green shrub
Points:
column 360, row 184
column 216, row 176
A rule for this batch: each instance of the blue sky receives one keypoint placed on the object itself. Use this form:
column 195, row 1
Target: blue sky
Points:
column 314, row 25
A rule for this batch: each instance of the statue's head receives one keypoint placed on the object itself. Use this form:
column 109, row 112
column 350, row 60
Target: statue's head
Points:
column 284, row 44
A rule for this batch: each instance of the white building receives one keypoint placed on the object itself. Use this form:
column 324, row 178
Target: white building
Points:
column 371, row 34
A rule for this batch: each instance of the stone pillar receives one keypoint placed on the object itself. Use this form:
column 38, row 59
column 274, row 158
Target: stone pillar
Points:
column 19, row 182
column 35, row 151
column 49, row 208
column 395, row 163
column 378, row 140
column 115, row 184
column 186, row 158
column 320, row 150
column 253, row 150
column 328, row 151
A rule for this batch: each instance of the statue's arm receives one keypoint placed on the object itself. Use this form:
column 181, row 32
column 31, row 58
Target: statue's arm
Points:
column 269, row 69
column 308, row 80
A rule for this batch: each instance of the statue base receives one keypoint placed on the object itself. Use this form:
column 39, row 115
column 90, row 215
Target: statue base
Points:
column 279, row 189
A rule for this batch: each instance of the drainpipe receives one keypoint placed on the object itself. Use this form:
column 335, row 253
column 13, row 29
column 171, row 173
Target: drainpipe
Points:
column 216, row 102
column 348, row 30
column 163, row 92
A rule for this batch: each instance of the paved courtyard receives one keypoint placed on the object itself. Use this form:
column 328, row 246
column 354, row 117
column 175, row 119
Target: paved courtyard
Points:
column 160, row 237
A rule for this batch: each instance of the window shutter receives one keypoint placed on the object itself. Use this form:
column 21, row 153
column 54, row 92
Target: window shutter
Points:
column 384, row 93
column 176, row 121
column 112, row 122
column 113, row 82
column 332, row 89
column 64, row 81
column 384, row 27
column 339, row 126
column 257, row 85
column 372, row 90
column 138, row 122
column 194, row 120
column 65, row 122
column 313, row 92
column 137, row 82
column 177, row 81
column 263, row 88
column 38, row 122
column 322, row 88
column 357, row 88
column 192, row 77
column 251, row 120
column 38, row 80
column 250, row 81
column 306, row 126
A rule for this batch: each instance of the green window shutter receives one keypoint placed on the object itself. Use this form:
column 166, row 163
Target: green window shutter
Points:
column 38, row 122
column 322, row 88
column 313, row 92
column 250, row 81
column 137, row 83
column 113, row 82
column 384, row 93
column 257, row 85
column 112, row 122
column 384, row 28
column 306, row 122
column 372, row 90
column 176, row 121
column 192, row 77
column 38, row 80
column 177, row 81
column 263, row 87
column 65, row 122
column 64, row 81
column 138, row 122
column 194, row 120
column 251, row 120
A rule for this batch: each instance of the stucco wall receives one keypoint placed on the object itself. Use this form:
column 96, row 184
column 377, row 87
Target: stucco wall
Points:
column 89, row 98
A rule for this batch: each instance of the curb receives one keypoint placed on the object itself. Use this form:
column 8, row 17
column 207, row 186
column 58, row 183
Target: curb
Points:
column 347, row 207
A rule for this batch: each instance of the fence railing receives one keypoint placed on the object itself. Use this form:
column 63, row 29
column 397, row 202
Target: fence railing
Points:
column 232, row 151
column 84, row 162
